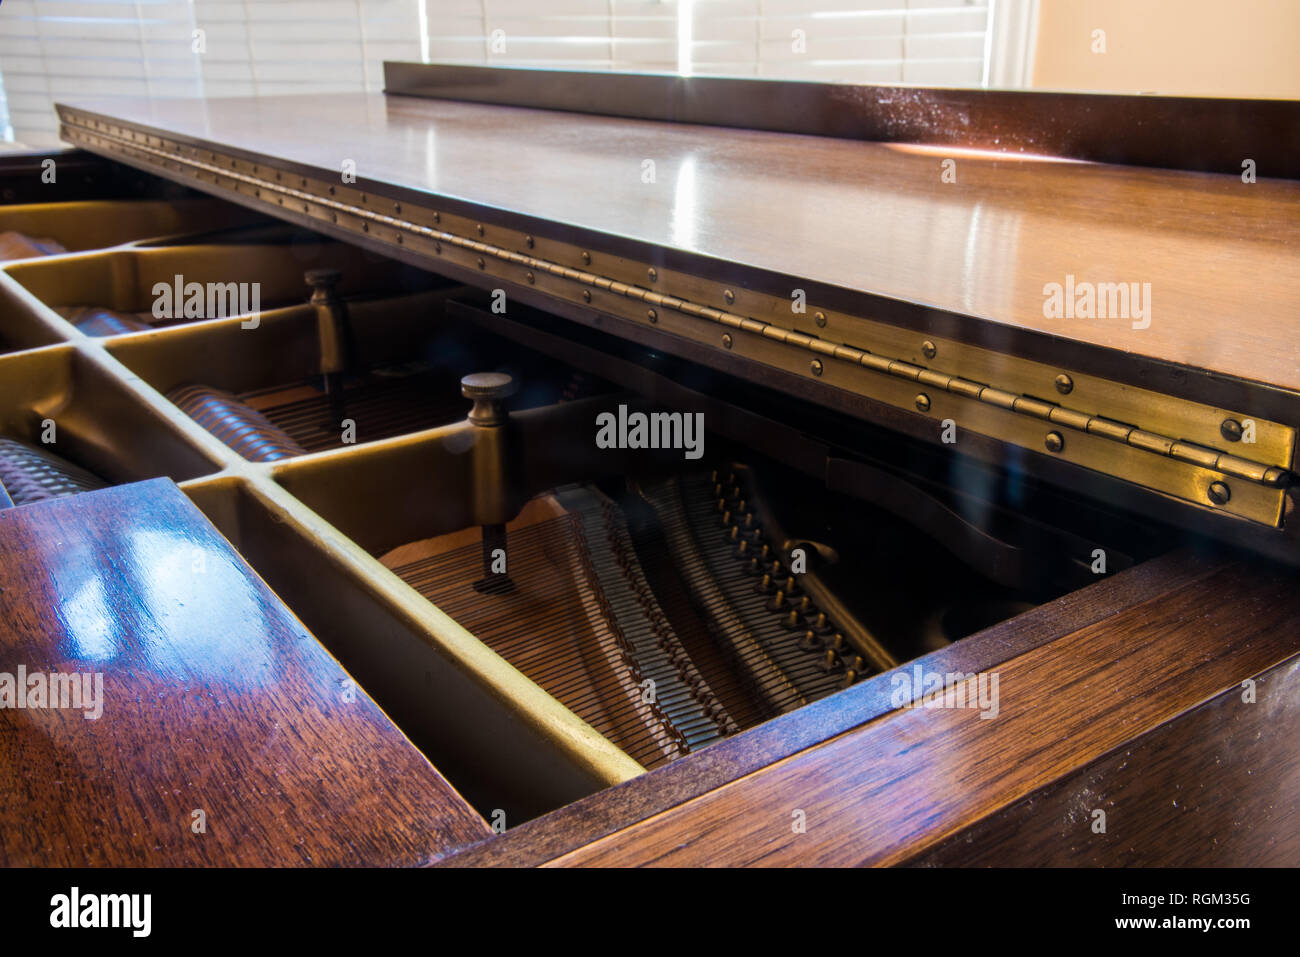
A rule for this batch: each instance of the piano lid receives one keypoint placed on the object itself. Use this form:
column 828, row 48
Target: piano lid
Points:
column 1134, row 321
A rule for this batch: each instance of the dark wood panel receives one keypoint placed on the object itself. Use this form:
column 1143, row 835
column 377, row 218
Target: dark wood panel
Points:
column 1219, row 784
column 1145, row 130
column 214, row 698
column 620, row 807
column 1222, row 256
column 889, row 790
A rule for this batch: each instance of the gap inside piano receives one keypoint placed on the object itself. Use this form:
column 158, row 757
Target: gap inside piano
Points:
column 664, row 611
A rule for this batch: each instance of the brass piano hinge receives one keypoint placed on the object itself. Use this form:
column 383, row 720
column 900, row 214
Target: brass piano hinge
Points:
column 1204, row 467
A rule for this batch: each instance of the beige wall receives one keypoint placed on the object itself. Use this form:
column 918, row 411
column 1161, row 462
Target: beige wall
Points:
column 1192, row 47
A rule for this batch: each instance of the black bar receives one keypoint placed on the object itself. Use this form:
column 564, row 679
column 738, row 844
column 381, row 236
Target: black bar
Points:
column 922, row 907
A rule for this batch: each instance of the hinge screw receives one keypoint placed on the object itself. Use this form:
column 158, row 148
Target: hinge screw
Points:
column 923, row 402
column 816, row 367
column 586, row 258
column 1231, row 430
column 928, row 349
column 530, row 277
column 820, row 319
column 652, row 315
column 1064, row 384
column 653, row 273
column 728, row 295
column 1054, row 442
column 1220, row 493
column 726, row 341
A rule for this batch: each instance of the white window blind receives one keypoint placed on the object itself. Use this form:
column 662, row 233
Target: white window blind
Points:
column 56, row 49
column 6, row 128
column 936, row 42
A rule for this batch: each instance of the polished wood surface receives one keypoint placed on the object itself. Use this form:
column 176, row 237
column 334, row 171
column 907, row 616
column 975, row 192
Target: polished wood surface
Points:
column 906, row 780
column 1222, row 256
column 1146, row 588
column 1219, row 785
column 214, row 699
column 1146, row 130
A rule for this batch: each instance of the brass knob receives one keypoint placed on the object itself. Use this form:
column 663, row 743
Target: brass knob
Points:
column 488, row 390
column 323, row 284
column 322, row 277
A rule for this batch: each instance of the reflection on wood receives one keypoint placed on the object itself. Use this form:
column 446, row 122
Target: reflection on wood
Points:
column 226, row 733
column 896, row 786
column 870, row 217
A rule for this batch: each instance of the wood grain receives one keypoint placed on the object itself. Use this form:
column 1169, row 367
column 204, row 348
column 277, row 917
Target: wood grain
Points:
column 215, row 698
column 884, row 792
column 618, row 808
column 1222, row 256
column 1217, row 785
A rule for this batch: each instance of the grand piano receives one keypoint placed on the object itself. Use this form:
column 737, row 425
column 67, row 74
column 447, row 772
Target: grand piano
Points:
column 536, row 468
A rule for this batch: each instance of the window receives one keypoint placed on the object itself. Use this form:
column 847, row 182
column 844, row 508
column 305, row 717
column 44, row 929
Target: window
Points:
column 69, row 49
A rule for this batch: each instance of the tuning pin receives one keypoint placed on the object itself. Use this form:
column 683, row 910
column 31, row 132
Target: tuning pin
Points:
column 805, row 604
column 811, row 641
column 791, row 586
column 791, row 620
column 777, row 602
column 764, row 587
column 830, row 662
column 742, row 550
column 726, row 517
column 821, row 625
